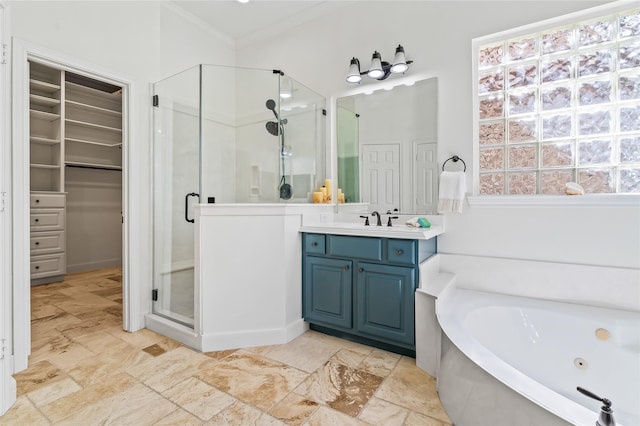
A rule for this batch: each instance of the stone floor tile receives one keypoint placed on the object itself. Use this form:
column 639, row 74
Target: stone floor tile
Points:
column 23, row 413
column 294, row 409
column 199, row 398
column 379, row 412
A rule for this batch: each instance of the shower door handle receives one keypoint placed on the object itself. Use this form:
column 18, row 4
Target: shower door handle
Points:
column 186, row 206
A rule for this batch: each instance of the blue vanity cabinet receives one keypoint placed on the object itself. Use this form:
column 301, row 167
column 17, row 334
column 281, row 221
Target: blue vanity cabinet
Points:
column 363, row 288
column 328, row 298
column 385, row 298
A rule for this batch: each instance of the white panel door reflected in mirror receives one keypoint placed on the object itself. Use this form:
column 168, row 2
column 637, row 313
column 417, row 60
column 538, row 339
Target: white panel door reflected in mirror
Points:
column 387, row 148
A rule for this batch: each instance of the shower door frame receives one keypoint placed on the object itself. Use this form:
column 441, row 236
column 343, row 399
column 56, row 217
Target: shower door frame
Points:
column 22, row 52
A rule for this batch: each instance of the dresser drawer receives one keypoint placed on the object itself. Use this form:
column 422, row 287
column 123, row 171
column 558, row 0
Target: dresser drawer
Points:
column 314, row 243
column 355, row 247
column 47, row 200
column 401, row 251
column 47, row 219
column 48, row 265
column 47, row 242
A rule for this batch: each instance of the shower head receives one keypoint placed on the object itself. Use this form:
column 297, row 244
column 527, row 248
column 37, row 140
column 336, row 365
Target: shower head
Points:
column 271, row 104
column 272, row 128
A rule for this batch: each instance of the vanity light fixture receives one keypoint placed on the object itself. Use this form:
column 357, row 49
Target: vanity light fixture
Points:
column 379, row 69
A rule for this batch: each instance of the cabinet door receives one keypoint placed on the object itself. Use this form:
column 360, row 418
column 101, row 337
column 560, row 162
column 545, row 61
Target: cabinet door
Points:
column 328, row 291
column 386, row 302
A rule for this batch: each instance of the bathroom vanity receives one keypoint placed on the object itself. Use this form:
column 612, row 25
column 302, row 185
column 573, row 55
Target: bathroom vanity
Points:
column 360, row 284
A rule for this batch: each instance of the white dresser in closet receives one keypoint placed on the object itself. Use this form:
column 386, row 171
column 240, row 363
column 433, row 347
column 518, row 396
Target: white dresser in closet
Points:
column 46, row 110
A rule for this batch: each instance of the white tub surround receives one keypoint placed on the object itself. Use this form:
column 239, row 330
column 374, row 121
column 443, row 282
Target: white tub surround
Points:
column 349, row 224
column 248, row 287
column 517, row 357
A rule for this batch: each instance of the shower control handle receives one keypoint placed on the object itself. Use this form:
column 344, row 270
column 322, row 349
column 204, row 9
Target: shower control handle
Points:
column 186, row 206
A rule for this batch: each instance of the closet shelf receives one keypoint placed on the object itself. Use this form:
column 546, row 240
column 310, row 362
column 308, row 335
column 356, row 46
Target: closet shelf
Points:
column 92, row 165
column 43, row 86
column 48, row 116
column 93, row 126
column 93, row 108
column 43, row 141
column 44, row 166
column 88, row 142
column 43, row 100
column 78, row 88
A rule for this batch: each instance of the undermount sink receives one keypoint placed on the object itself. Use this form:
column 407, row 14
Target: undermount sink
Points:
column 398, row 230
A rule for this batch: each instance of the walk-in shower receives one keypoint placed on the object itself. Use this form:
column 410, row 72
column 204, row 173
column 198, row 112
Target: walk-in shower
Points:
column 210, row 145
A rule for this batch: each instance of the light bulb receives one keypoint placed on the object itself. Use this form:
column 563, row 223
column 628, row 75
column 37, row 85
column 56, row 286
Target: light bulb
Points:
column 375, row 70
column 399, row 61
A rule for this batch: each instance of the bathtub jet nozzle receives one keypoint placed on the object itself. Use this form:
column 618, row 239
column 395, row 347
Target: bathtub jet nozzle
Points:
column 606, row 413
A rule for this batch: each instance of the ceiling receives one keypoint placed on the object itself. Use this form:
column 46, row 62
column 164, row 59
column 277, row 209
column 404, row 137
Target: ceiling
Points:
column 246, row 22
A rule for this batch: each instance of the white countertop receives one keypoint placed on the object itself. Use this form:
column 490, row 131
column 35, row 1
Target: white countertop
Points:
column 357, row 229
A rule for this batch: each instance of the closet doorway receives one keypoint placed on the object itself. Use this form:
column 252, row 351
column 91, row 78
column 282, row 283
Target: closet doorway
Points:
column 71, row 187
column 75, row 163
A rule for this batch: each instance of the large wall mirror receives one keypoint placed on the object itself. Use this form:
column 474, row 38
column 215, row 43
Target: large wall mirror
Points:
column 387, row 147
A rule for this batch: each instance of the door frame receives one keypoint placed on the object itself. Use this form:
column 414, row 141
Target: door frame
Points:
column 132, row 303
column 7, row 382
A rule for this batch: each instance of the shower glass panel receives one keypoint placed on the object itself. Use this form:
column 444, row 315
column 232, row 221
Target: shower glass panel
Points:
column 176, row 178
column 225, row 135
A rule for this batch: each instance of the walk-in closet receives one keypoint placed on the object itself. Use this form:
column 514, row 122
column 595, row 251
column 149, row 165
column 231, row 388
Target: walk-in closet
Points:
column 75, row 173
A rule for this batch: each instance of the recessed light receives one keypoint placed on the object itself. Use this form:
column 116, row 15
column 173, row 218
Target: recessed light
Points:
column 243, row 1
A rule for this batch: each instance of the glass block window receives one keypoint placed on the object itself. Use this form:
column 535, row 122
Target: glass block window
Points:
column 561, row 105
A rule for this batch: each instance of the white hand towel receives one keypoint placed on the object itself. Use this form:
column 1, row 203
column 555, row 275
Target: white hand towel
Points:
column 452, row 190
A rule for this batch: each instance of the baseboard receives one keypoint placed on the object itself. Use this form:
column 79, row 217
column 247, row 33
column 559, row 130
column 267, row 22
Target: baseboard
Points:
column 253, row 338
column 89, row 266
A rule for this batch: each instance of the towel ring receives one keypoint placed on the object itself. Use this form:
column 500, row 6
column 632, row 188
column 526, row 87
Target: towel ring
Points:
column 455, row 159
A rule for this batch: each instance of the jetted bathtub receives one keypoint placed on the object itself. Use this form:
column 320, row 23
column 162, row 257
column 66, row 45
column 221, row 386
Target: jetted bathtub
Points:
column 509, row 360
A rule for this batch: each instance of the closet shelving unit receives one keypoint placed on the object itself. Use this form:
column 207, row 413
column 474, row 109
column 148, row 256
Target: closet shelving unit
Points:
column 75, row 121
column 93, row 126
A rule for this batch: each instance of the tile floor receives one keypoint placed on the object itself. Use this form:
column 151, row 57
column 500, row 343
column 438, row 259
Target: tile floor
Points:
column 84, row 370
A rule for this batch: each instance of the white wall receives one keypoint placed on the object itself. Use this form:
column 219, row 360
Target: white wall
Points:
column 143, row 41
column 437, row 36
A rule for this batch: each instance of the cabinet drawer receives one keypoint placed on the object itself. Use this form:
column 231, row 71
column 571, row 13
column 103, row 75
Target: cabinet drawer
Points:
column 314, row 243
column 355, row 247
column 47, row 219
column 47, row 200
column 47, row 242
column 48, row 265
column 401, row 251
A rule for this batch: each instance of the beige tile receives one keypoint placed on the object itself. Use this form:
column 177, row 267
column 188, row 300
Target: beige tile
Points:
column 44, row 348
column 116, row 358
column 50, row 392
column 380, row 362
column 267, row 420
column 349, row 358
column 70, row 404
column 238, row 413
column 417, row 419
column 294, row 409
column 306, row 352
column 199, row 398
column 342, row 388
column 161, row 347
column 412, row 388
column 37, row 375
column 253, row 379
column 23, row 413
column 41, row 328
column 341, row 343
column 137, row 405
column 44, row 310
column 139, row 339
column 327, row 417
column 89, row 326
column 70, row 356
column 179, row 417
column 379, row 412
column 164, row 371
column 100, row 341
column 220, row 354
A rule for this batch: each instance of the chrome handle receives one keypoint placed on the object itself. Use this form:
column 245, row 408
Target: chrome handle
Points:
column 399, row 252
column 360, row 270
column 314, row 244
column 345, row 268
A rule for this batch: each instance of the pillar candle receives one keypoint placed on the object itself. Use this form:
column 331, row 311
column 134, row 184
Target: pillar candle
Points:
column 318, row 197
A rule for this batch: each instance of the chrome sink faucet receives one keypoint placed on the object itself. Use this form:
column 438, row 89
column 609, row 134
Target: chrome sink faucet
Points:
column 377, row 215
